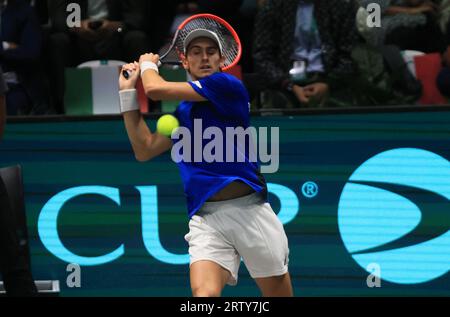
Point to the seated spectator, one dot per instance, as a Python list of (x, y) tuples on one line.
[(444, 16), (41, 9), (408, 24), (110, 30), (19, 57), (443, 80), (160, 16), (42, 12), (226, 9), (245, 24), (303, 48)]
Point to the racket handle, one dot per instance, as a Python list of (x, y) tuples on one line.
[(127, 73)]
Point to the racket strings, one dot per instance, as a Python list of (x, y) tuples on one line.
[(230, 46)]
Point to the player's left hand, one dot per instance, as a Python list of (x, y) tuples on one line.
[(154, 58), (130, 83)]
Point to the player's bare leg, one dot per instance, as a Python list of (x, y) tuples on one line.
[(208, 279), (277, 286)]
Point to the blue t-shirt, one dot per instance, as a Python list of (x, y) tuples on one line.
[(227, 106)]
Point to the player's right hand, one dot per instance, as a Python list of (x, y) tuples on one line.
[(135, 72), (150, 57)]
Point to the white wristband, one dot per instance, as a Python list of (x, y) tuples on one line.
[(148, 65), (128, 100)]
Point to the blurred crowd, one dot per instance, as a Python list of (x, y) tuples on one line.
[(296, 53)]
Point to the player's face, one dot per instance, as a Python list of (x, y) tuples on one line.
[(203, 58)]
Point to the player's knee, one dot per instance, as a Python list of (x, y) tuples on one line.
[(206, 291), (276, 286)]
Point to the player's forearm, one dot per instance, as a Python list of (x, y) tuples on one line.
[(158, 89), (139, 135), (153, 84), (137, 130)]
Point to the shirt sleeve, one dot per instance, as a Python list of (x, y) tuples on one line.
[(225, 92)]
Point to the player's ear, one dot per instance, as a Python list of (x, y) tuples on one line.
[(184, 62), (222, 62)]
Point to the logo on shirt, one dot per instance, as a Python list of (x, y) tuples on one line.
[(198, 84)]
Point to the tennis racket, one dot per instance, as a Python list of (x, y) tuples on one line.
[(231, 44)]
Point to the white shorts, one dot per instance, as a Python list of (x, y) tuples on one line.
[(247, 227)]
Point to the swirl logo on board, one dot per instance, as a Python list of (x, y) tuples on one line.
[(395, 211)]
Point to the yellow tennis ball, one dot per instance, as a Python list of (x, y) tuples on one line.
[(167, 124)]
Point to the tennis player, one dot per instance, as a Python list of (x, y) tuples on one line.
[(227, 203)]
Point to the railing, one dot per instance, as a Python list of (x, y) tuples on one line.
[(264, 112)]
